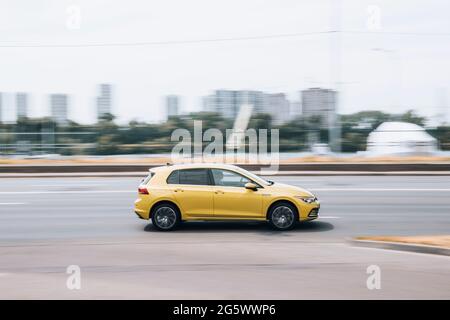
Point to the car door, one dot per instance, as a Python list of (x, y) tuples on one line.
[(193, 191), (232, 199)]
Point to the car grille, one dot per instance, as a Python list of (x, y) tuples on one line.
[(314, 213)]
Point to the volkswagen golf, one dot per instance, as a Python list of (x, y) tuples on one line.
[(172, 194)]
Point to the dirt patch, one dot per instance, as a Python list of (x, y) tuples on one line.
[(438, 241)]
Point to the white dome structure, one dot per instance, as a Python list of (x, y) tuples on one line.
[(400, 137)]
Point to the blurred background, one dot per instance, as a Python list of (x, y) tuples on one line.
[(336, 77)]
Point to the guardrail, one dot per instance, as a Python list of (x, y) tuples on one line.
[(304, 167)]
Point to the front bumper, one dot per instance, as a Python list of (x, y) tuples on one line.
[(314, 213)]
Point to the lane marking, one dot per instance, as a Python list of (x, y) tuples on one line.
[(312, 189), (378, 189), (11, 203), (68, 191), (67, 185), (328, 217)]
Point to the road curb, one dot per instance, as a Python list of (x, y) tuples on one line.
[(418, 248), (286, 168)]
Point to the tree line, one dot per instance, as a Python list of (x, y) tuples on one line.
[(107, 137)]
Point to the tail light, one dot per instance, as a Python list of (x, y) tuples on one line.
[(142, 190)]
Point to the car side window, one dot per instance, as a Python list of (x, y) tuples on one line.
[(173, 177), (228, 178), (198, 177)]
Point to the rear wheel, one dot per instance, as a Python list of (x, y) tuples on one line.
[(165, 217), (283, 216)]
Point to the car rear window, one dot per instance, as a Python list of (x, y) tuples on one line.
[(190, 176), (147, 179)]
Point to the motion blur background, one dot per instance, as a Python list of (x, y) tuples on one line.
[(103, 78)]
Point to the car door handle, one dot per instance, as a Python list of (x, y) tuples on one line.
[(219, 192), (178, 190)]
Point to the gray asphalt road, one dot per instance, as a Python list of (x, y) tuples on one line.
[(48, 224)]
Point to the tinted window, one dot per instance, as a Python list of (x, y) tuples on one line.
[(194, 176), (147, 179), (228, 178), (173, 178)]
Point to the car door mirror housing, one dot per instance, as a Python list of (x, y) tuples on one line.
[(251, 186)]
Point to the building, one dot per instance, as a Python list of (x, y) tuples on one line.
[(1, 107), (104, 100), (172, 106), (208, 103), (229, 102), (21, 105), (320, 103), (8, 107), (278, 106), (400, 138), (58, 108)]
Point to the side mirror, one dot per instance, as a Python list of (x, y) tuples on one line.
[(251, 186)]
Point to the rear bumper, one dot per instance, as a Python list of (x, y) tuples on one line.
[(141, 208), (139, 215)]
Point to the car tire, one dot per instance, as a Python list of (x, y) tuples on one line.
[(165, 217), (283, 216)]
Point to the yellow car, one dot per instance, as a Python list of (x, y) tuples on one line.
[(175, 193)]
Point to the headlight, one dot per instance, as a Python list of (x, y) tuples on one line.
[(307, 199)]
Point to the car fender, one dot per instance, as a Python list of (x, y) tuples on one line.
[(271, 201)]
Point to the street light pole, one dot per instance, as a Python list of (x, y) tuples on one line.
[(334, 129)]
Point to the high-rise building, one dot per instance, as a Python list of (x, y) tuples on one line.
[(256, 98), (22, 105), (7, 107), (58, 108), (225, 103), (209, 103), (278, 106), (104, 100), (172, 106), (321, 103), (1, 107), (228, 102)]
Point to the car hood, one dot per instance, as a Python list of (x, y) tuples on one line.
[(288, 189)]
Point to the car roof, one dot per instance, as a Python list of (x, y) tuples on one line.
[(170, 167)]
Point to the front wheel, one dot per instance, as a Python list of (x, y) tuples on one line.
[(165, 217), (283, 216)]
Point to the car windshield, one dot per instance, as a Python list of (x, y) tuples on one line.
[(256, 178)]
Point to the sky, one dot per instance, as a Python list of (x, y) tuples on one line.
[(390, 55)]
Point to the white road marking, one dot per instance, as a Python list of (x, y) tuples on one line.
[(378, 189), (67, 185), (328, 217), (10, 203), (68, 191), (312, 189)]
